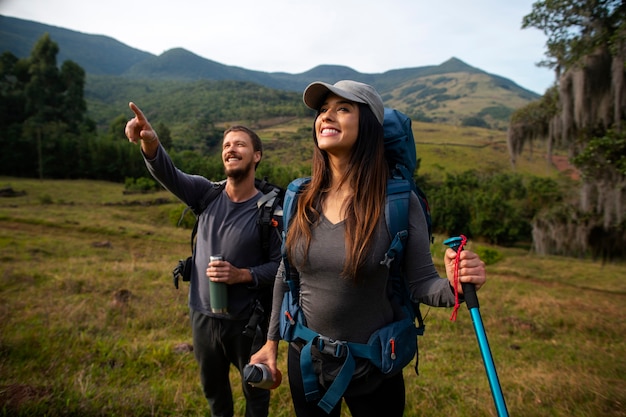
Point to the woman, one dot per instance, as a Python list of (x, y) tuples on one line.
[(336, 240)]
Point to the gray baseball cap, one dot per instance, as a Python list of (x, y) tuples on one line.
[(316, 92)]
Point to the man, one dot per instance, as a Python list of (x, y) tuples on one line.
[(228, 226)]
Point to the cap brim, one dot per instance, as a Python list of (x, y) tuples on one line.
[(315, 94)]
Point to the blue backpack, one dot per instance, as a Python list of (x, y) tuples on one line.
[(392, 347)]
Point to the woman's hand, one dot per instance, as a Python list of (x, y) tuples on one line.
[(267, 355), (471, 268)]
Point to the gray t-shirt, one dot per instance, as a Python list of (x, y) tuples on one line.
[(224, 227), (340, 309)]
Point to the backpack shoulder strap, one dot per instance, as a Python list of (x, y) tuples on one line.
[(294, 188), (267, 208), (397, 217), (209, 196), (290, 201)]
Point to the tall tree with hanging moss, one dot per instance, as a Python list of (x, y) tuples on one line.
[(582, 113)]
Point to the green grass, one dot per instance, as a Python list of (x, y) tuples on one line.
[(555, 325), (442, 149)]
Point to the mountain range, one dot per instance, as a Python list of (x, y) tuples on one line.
[(451, 92)]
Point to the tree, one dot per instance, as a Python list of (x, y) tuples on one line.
[(583, 113), (165, 135), (73, 106), (575, 28), (43, 124), (13, 78)]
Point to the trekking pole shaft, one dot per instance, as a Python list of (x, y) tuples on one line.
[(471, 299)]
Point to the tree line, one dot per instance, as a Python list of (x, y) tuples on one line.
[(44, 128)]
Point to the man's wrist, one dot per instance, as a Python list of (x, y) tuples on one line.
[(253, 278)]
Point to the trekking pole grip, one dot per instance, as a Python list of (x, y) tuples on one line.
[(469, 293), (469, 289)]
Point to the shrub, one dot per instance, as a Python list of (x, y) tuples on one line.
[(181, 217), (488, 255), (141, 184)]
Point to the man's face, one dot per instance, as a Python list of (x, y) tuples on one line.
[(238, 154)]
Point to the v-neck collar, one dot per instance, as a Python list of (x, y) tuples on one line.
[(330, 224)]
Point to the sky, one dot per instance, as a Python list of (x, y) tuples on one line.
[(294, 36)]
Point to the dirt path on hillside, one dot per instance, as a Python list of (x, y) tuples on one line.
[(563, 165)]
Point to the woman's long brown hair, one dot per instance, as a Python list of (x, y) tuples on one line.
[(367, 175)]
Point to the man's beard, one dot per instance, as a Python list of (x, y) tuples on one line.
[(239, 173)]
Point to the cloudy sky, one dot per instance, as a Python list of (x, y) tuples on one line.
[(296, 35)]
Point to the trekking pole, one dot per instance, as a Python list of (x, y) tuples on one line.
[(471, 299)]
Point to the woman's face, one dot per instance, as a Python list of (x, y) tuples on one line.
[(337, 125)]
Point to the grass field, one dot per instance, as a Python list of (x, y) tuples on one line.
[(442, 149), (91, 324)]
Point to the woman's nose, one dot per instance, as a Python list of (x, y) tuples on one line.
[(327, 115)]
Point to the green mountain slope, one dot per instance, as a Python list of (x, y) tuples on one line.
[(97, 54), (452, 92), (456, 96)]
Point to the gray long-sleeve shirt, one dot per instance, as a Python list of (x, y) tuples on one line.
[(342, 310), (224, 227)]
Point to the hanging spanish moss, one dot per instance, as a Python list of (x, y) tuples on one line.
[(531, 123), (583, 115), (562, 230), (587, 98)]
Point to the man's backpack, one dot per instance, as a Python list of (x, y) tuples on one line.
[(267, 207), (392, 347)]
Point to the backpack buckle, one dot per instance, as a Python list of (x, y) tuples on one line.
[(336, 348)]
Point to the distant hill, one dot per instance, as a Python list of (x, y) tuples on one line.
[(97, 54), (452, 92)]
